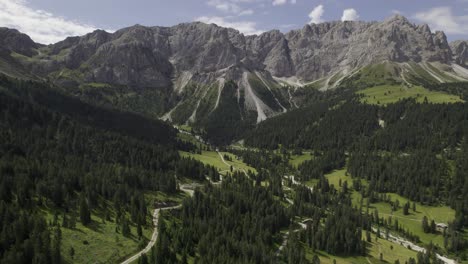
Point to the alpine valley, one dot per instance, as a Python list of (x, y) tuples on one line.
[(341, 142)]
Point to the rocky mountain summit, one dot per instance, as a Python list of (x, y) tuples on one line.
[(190, 62), (460, 52)]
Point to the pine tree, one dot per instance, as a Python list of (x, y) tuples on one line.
[(125, 228), (72, 223), (56, 253), (143, 259), (433, 226), (65, 221), (406, 209), (139, 231), (71, 252), (425, 225), (85, 214)]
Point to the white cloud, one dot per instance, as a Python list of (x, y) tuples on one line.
[(316, 14), (350, 14), (246, 27), (231, 6), (283, 2), (279, 2), (442, 18), (41, 26), (225, 6), (246, 12)]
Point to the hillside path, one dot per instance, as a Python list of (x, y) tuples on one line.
[(154, 236)]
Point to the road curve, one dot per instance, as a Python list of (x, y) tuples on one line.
[(154, 236), (414, 247), (229, 165)]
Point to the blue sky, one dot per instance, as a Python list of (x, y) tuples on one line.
[(49, 21)]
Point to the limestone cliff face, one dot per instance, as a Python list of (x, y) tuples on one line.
[(156, 56), (202, 56), (318, 50), (13, 40), (460, 52)]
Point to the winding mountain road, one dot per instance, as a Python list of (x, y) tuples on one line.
[(229, 165), (414, 247), (154, 236)]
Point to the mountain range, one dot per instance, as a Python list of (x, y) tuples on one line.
[(195, 72)]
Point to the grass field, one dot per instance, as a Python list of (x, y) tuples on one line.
[(212, 158), (386, 94), (99, 242), (296, 160), (390, 253), (185, 128), (412, 222), (337, 175), (238, 164), (207, 157), (191, 139)]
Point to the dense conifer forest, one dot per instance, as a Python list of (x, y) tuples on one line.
[(70, 158), (57, 152)]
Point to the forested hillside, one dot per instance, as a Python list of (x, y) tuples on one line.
[(69, 159)]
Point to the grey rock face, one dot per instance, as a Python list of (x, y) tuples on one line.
[(156, 56), (204, 57), (318, 50), (13, 40), (460, 52)]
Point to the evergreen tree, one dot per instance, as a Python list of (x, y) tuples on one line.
[(85, 213)]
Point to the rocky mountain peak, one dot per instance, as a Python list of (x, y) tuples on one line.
[(156, 56), (18, 42), (460, 52), (397, 18)]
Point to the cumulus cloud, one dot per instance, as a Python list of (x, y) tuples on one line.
[(231, 6), (350, 15), (246, 12), (246, 27), (316, 14), (283, 2), (442, 18), (279, 2), (41, 26), (225, 6)]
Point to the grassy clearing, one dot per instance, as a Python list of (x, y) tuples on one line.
[(238, 164), (412, 222), (152, 197), (185, 128), (386, 94), (297, 160), (336, 176), (390, 253), (191, 139), (212, 158), (207, 157), (99, 242)]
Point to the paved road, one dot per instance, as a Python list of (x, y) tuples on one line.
[(154, 237), (229, 165), (414, 247)]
